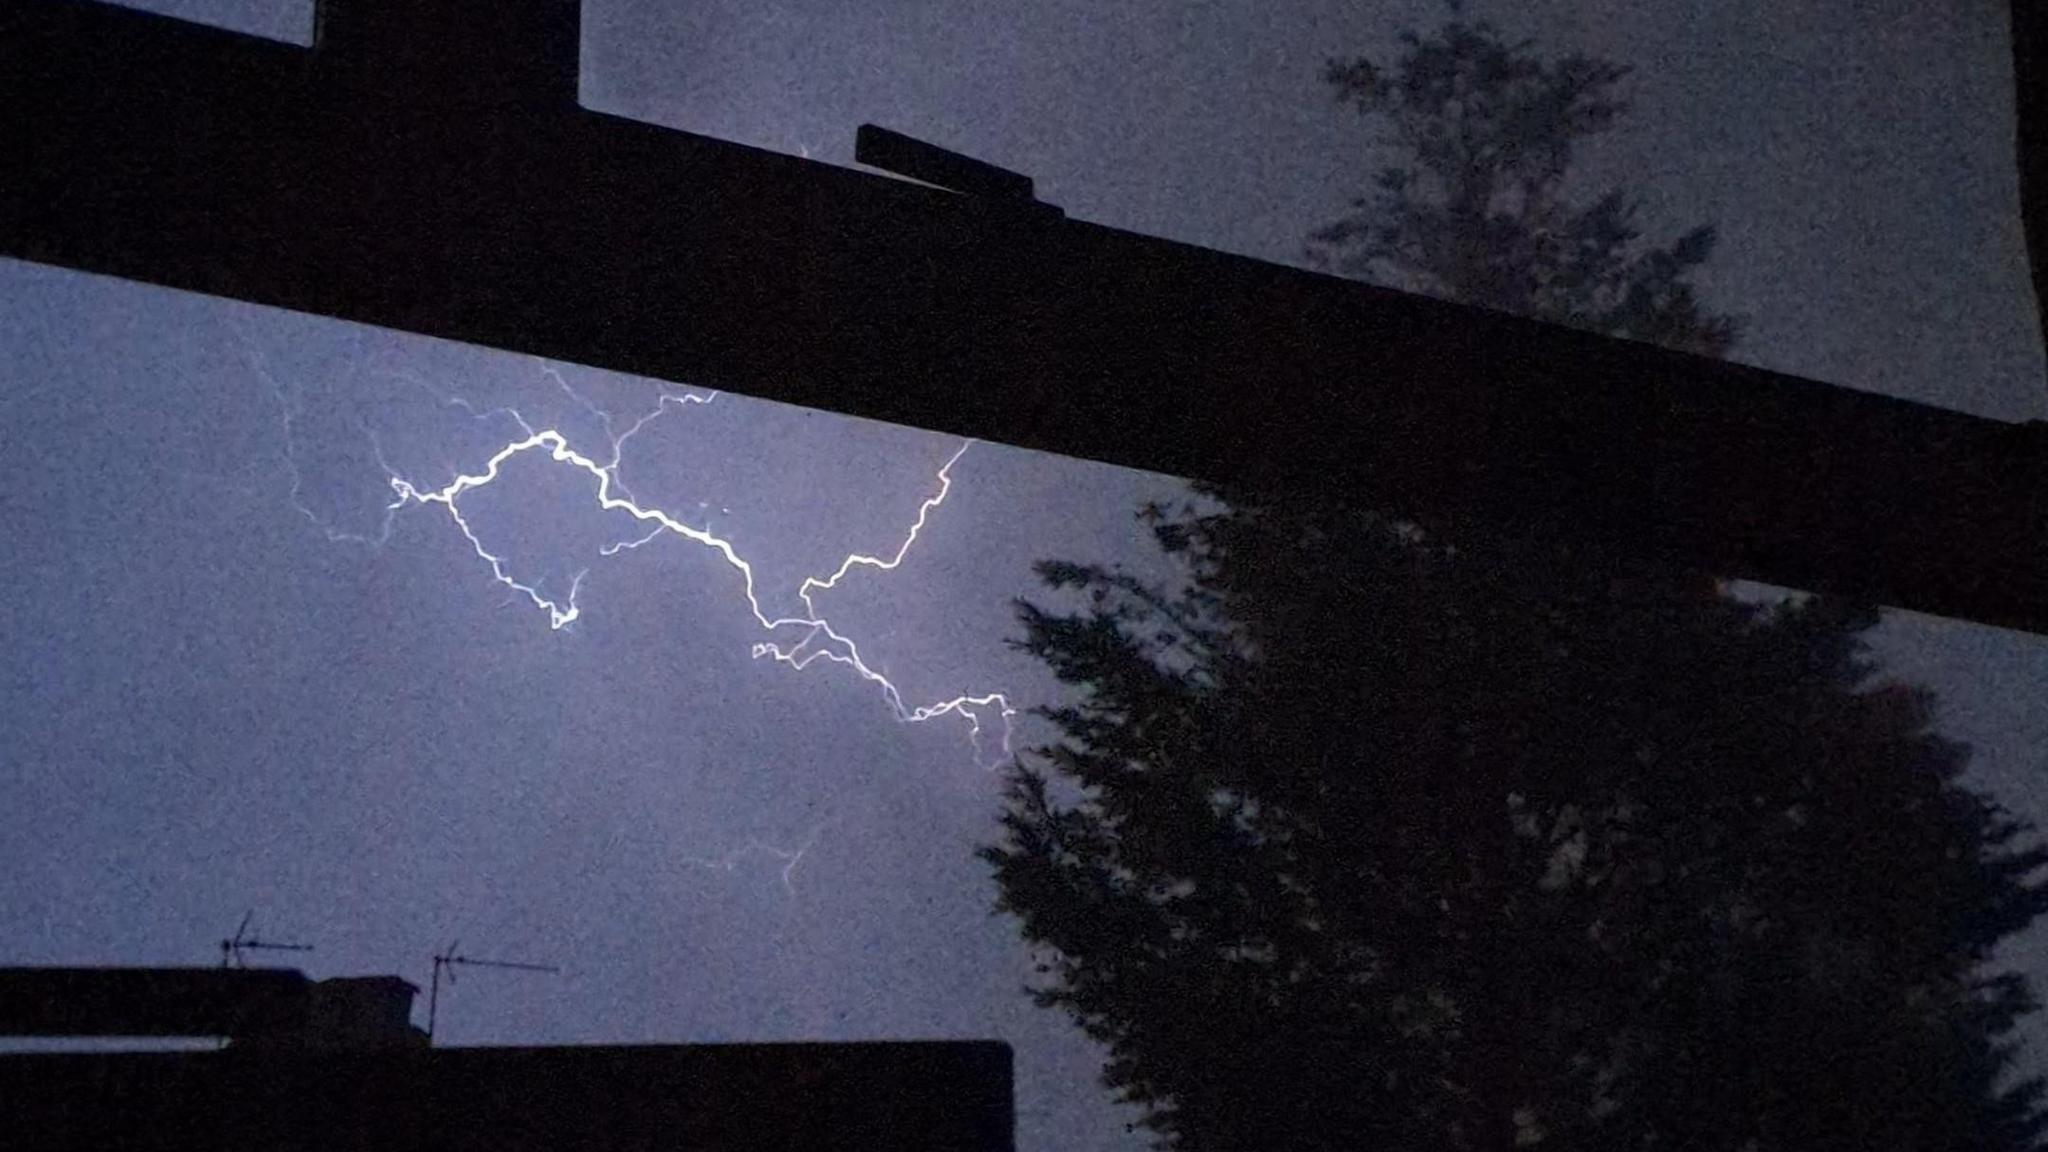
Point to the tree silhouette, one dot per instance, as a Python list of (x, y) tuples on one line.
[(1375, 834), (1478, 211)]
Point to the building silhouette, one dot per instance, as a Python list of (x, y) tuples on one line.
[(334, 1064)]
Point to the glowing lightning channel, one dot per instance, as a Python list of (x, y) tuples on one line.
[(611, 432), (789, 858), (288, 417), (969, 707), (612, 495)]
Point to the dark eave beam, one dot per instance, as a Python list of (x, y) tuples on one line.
[(376, 178)]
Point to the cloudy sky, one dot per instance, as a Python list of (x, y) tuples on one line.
[(231, 677)]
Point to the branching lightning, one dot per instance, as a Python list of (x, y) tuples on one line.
[(790, 858), (289, 412), (817, 638)]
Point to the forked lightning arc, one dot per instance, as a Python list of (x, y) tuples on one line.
[(816, 637)]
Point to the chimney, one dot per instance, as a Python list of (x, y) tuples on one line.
[(360, 1012), (516, 53)]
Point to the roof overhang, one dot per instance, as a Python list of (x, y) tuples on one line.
[(352, 181)]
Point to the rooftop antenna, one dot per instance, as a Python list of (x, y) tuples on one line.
[(450, 959), (231, 949)]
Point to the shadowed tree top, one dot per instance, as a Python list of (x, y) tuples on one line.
[(1479, 209), (1367, 836)]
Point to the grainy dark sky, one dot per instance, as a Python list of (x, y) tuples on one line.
[(208, 705)]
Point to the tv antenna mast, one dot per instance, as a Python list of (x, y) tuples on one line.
[(450, 959), (231, 949)]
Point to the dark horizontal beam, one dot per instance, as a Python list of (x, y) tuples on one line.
[(356, 181), (878, 147)]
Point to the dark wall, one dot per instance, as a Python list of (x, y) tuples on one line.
[(799, 1097)]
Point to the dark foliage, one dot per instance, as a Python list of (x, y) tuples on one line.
[(1478, 212), (1377, 837)]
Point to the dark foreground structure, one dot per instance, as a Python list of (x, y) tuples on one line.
[(337, 1065), (426, 166)]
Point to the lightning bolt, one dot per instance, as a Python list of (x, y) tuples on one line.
[(800, 655), (819, 641), (290, 408), (790, 858)]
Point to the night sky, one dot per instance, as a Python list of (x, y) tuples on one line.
[(209, 703)]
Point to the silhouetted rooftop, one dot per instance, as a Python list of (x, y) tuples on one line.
[(905, 1097), (336, 1064), (260, 1005)]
